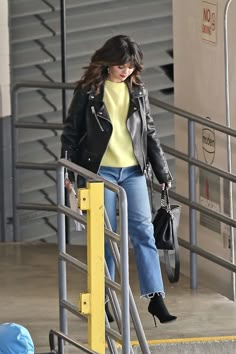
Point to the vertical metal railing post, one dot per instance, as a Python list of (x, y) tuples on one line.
[(124, 255), (15, 221), (64, 97), (63, 56), (228, 124), (192, 212), (61, 249)]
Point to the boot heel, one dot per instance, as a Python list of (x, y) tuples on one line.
[(155, 322)]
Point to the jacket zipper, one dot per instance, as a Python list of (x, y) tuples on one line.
[(144, 159), (83, 137), (95, 115), (145, 167)]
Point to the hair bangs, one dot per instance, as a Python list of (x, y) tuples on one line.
[(134, 60)]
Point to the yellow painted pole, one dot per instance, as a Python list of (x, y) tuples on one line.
[(92, 303)]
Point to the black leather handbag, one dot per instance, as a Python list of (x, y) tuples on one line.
[(166, 222)]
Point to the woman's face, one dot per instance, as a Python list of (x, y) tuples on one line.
[(119, 73)]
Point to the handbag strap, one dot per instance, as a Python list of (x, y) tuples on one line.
[(173, 274), (165, 200)]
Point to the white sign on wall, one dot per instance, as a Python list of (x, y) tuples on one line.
[(209, 21)]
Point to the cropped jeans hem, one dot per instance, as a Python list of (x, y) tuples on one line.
[(151, 295)]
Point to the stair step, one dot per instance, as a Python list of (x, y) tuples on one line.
[(217, 345), (157, 82), (29, 135), (40, 229), (32, 180), (32, 102), (48, 117), (164, 124), (43, 155), (45, 228), (42, 150), (26, 135), (23, 8), (115, 15), (42, 196)]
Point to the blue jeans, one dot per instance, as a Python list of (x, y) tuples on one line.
[(139, 223)]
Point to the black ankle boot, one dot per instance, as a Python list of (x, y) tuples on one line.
[(158, 308), (108, 313)]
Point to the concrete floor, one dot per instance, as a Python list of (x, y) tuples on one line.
[(29, 296)]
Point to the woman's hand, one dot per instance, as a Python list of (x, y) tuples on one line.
[(166, 185), (68, 185)]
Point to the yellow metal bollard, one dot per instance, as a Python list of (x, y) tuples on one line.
[(91, 199)]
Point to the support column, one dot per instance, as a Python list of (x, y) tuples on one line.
[(91, 199), (6, 230)]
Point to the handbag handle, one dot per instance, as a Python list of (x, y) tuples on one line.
[(165, 200)]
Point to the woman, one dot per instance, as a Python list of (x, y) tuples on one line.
[(109, 131)]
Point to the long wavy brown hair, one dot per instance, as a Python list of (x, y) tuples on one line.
[(118, 50)]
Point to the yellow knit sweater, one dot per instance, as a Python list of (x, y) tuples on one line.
[(119, 152)]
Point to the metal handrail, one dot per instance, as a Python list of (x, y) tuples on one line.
[(193, 205), (228, 124), (15, 164), (123, 254), (43, 84), (61, 335), (198, 163), (193, 117)]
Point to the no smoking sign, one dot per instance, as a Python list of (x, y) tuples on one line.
[(209, 21)]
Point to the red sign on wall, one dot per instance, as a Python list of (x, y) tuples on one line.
[(209, 21)]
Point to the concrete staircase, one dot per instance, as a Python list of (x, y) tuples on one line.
[(36, 55)]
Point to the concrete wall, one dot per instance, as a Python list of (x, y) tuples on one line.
[(200, 89)]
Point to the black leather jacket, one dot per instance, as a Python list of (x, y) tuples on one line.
[(88, 128)]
